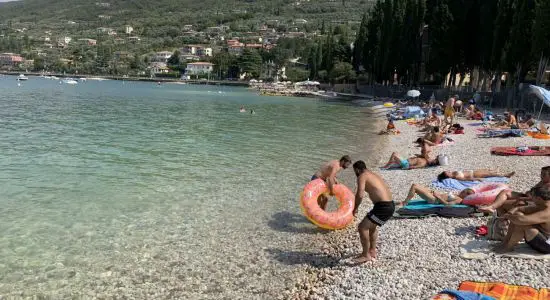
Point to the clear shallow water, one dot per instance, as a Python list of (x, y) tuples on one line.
[(112, 188)]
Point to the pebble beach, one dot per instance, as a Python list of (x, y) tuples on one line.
[(420, 257)]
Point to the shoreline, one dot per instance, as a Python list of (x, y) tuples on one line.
[(420, 257)]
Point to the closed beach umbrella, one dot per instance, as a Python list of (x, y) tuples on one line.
[(413, 93)]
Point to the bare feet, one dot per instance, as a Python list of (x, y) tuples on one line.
[(361, 259), (373, 253), (510, 174), (486, 209)]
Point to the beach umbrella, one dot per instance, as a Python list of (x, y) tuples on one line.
[(541, 93), (413, 93)]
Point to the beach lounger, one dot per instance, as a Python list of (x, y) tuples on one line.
[(532, 151)]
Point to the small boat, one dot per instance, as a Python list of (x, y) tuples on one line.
[(70, 81), (82, 79), (22, 77)]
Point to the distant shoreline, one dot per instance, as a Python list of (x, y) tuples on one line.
[(144, 79)]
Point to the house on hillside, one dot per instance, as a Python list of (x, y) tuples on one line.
[(134, 39), (63, 41), (158, 68), (161, 56), (10, 59), (300, 21), (89, 42), (128, 29), (187, 27), (198, 50), (199, 68)]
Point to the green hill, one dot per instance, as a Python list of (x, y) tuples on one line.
[(167, 17)]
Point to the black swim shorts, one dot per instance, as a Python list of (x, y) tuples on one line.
[(540, 243), (381, 212)]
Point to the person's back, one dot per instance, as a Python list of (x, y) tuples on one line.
[(328, 168), (376, 187)]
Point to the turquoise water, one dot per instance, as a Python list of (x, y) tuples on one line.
[(125, 188)]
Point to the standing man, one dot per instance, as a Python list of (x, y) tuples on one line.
[(449, 112), (383, 209), (328, 173)]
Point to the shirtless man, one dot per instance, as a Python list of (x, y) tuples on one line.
[(531, 223), (383, 209), (508, 199), (416, 162), (328, 173)]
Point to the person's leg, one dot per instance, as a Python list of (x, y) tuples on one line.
[(513, 237), (501, 198), (536, 240), (364, 229), (373, 234), (422, 191), (393, 162), (484, 173)]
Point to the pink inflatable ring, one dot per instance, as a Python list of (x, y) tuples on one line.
[(329, 220)]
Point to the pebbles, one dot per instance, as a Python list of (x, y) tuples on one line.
[(420, 257)]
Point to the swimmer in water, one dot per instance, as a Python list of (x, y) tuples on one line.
[(242, 109), (252, 112)]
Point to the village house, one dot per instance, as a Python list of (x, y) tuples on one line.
[(161, 56), (187, 27), (158, 68), (10, 60), (128, 29), (89, 42), (63, 41), (198, 50), (134, 39), (199, 68)]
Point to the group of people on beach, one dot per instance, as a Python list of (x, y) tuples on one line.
[(528, 212)]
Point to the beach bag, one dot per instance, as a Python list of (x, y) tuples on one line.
[(497, 228), (443, 160)]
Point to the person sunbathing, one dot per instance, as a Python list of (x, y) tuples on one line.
[(416, 162), (472, 175), (390, 129), (508, 199), (531, 223), (434, 197), (434, 137), (527, 123)]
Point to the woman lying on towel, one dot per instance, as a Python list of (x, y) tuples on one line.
[(434, 197), (472, 175)]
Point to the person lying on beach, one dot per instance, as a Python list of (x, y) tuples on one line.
[(434, 137), (508, 199), (527, 123), (456, 129), (472, 175), (529, 223), (328, 173), (384, 207), (434, 197), (416, 162)]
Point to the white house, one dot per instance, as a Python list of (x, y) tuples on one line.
[(197, 50), (128, 29), (161, 56), (64, 41), (158, 68), (199, 68)]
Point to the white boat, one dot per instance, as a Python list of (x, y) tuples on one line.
[(82, 79), (97, 78), (22, 77), (54, 78), (70, 81)]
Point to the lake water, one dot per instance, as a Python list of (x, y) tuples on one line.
[(131, 189)]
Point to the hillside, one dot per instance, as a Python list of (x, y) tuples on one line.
[(167, 17)]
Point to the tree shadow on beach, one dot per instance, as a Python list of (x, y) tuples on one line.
[(316, 260), (293, 223)]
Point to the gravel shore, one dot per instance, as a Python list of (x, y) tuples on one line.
[(420, 257)]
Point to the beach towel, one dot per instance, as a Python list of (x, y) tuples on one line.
[(502, 133), (453, 184), (461, 295), (532, 151), (421, 208), (481, 249), (503, 291)]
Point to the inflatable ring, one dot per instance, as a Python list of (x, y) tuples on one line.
[(329, 220), (538, 135), (388, 104), (484, 194)]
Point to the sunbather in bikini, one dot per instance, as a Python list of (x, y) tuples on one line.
[(434, 197), (472, 175)]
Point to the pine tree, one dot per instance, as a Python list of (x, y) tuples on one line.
[(541, 37), (359, 44)]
